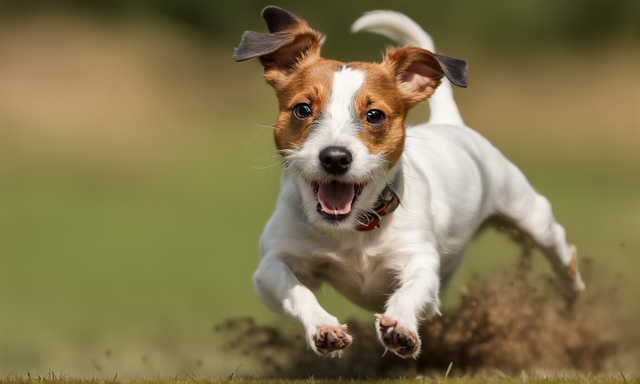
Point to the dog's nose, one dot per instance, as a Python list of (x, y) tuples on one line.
[(335, 160)]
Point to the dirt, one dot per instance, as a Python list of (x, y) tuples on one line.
[(508, 323)]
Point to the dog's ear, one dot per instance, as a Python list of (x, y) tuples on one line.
[(290, 41), (418, 71)]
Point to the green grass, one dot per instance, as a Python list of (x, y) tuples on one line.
[(498, 377)]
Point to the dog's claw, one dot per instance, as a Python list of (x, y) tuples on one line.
[(331, 339)]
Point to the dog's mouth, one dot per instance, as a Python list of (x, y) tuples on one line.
[(335, 199)]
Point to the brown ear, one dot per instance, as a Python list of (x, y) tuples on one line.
[(289, 41), (418, 71)]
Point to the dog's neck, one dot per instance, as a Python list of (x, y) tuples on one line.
[(386, 203)]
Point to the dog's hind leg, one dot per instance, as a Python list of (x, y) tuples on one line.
[(531, 213), (281, 291)]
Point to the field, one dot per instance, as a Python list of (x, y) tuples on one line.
[(137, 172), (498, 378)]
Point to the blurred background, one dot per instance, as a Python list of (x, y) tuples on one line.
[(136, 173)]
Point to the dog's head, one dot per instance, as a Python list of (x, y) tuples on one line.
[(340, 128)]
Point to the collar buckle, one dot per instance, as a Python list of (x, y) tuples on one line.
[(389, 201)]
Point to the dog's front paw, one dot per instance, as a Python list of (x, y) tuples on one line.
[(331, 339), (396, 338)]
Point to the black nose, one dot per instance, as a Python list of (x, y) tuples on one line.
[(335, 160)]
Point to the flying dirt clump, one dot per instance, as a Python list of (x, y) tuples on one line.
[(505, 323)]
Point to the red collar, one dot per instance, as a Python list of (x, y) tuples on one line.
[(388, 202)]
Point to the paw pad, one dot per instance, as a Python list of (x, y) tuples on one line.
[(331, 338), (397, 338)]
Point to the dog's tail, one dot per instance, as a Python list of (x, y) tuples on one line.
[(402, 29)]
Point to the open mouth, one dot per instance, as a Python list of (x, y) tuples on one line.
[(335, 199)]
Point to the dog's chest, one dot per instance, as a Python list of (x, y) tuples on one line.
[(364, 276)]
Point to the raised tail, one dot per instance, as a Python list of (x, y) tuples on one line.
[(402, 29)]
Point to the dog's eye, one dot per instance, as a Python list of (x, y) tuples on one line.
[(302, 111), (375, 117)]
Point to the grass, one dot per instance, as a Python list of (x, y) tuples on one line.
[(190, 377), (499, 377)]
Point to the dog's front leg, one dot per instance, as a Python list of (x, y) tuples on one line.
[(281, 291), (416, 297)]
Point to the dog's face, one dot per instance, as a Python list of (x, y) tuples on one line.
[(339, 133), (340, 129)]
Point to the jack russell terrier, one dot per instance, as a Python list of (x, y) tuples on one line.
[(380, 211)]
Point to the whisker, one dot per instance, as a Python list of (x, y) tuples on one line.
[(416, 137), (246, 147), (266, 158), (361, 223)]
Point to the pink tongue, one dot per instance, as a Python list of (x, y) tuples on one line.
[(335, 198)]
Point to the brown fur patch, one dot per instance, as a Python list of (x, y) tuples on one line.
[(380, 91), (310, 84), (299, 75), (305, 49)]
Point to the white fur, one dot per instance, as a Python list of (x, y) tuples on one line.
[(449, 180)]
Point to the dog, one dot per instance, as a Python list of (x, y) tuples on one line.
[(380, 211)]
